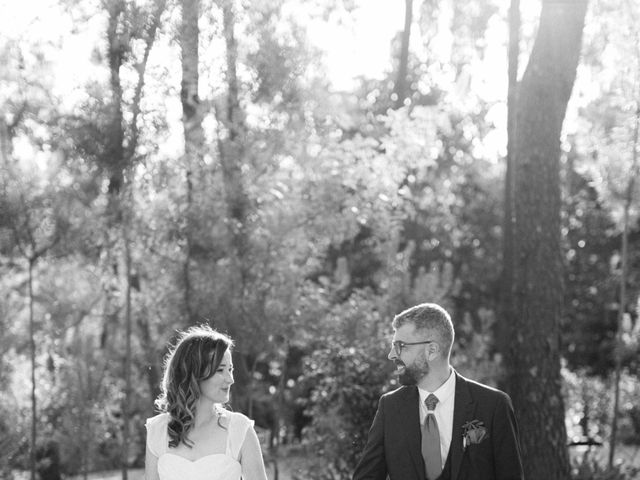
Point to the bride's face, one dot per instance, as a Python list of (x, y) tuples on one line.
[(216, 388)]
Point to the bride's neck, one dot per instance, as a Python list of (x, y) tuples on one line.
[(205, 413)]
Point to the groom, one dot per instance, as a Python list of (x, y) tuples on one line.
[(438, 425)]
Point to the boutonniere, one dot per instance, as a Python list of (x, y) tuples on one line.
[(473, 432)]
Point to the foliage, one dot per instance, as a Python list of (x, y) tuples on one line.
[(354, 212), (347, 381), (589, 406), (590, 469), (590, 277)]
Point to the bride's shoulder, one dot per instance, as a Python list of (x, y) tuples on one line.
[(235, 418), (157, 420)]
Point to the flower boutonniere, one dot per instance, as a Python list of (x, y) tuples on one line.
[(473, 432)]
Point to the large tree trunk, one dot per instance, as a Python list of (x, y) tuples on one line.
[(401, 89), (194, 140), (535, 265)]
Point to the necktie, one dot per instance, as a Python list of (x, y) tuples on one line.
[(431, 440)]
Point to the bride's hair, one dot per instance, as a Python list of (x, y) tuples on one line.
[(195, 357)]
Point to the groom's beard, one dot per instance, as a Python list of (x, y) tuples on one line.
[(412, 373)]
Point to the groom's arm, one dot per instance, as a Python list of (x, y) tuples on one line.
[(372, 464), (506, 443)]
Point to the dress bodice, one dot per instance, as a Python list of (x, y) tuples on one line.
[(218, 466)]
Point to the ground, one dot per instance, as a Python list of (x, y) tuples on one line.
[(292, 464)]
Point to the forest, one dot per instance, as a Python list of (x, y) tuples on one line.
[(167, 163)]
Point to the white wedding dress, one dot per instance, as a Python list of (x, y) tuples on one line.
[(218, 466)]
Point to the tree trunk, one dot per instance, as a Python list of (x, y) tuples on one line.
[(117, 50), (5, 143), (32, 351), (508, 225), (126, 410), (194, 140), (533, 356), (121, 151), (153, 359), (401, 89), (231, 149), (118, 46)]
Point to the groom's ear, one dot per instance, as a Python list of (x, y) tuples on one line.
[(432, 350)]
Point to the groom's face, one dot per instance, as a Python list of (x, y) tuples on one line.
[(411, 360)]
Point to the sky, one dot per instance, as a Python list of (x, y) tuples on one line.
[(355, 44), (360, 46)]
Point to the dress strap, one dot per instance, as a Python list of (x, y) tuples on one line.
[(157, 435), (237, 431), (228, 450)]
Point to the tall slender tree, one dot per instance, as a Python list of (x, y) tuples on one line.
[(401, 88), (231, 148), (194, 140), (534, 264), (122, 144), (507, 245), (36, 229)]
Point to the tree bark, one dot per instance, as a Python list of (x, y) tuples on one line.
[(117, 49), (122, 145), (126, 410), (231, 148), (508, 221), (5, 142), (533, 356), (194, 140), (401, 89), (32, 351)]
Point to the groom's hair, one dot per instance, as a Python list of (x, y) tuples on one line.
[(429, 316)]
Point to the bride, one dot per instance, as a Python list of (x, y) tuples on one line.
[(194, 437)]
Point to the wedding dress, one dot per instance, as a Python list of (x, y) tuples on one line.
[(217, 466)]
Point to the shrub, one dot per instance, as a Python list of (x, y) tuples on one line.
[(591, 469)]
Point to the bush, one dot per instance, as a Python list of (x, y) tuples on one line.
[(348, 383), (591, 469)]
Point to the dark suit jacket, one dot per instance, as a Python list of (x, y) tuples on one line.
[(393, 445)]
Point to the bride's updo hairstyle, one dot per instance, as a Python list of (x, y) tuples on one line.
[(195, 357)]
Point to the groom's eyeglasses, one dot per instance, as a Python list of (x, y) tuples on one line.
[(398, 345)]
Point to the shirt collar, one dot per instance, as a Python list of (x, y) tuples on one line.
[(444, 392)]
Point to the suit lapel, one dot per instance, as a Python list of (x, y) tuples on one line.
[(409, 425), (462, 412)]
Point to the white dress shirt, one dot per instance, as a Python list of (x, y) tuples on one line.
[(443, 412)]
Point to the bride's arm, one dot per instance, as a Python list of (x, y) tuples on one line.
[(251, 458), (150, 466)]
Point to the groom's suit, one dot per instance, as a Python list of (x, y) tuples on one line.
[(393, 445)]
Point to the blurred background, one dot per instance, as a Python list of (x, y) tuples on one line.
[(294, 173)]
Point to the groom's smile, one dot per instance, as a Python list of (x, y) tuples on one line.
[(400, 367)]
